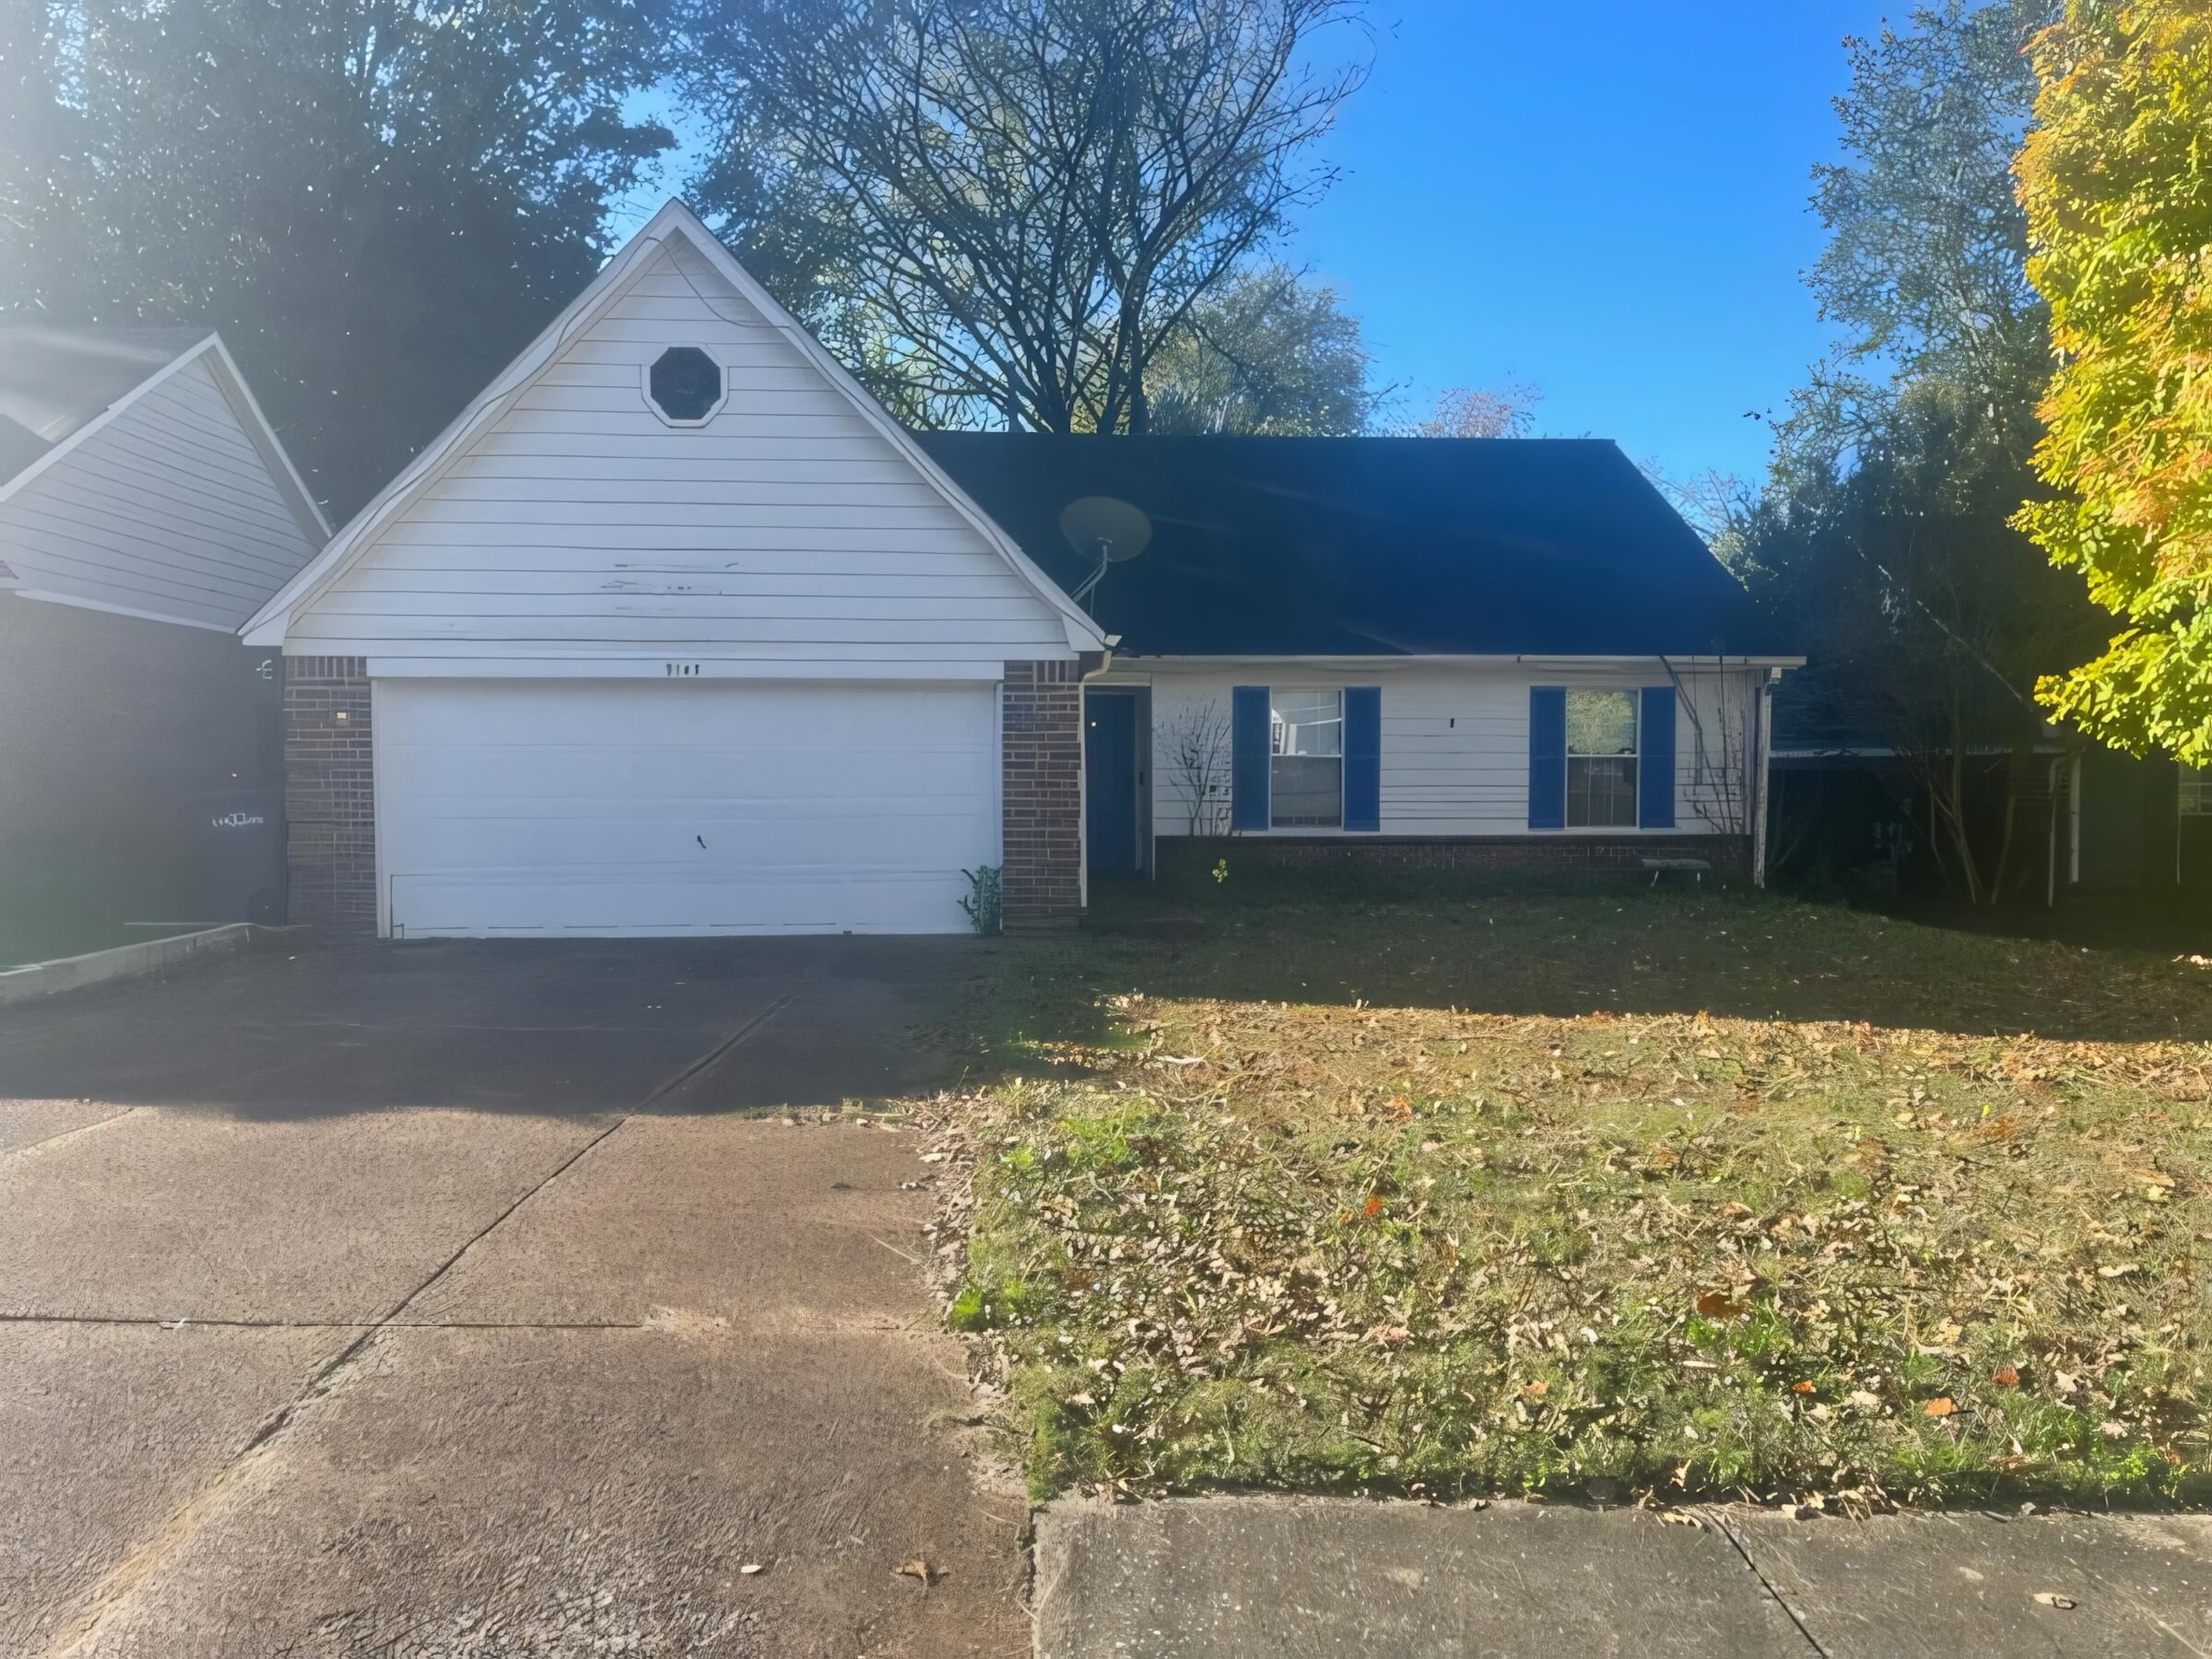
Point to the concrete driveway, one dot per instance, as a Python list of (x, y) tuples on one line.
[(457, 1299)]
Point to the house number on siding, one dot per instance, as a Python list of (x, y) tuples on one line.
[(679, 670)]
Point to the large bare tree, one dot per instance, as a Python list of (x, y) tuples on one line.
[(1002, 210)]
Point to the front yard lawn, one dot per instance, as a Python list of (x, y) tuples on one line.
[(1682, 1192)]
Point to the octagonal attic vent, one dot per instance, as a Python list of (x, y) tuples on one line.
[(684, 385)]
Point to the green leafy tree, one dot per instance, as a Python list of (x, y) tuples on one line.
[(1266, 354), (377, 202), (1004, 211), (1924, 272), (1921, 609), (2117, 182), (1883, 535)]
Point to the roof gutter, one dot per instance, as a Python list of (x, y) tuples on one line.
[(1213, 659)]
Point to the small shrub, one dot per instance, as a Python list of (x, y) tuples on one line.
[(985, 903)]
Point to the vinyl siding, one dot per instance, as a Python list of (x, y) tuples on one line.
[(168, 509), (784, 532), (1455, 740)]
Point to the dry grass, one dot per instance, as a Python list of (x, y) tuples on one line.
[(1515, 1193)]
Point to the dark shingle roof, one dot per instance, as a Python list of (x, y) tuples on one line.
[(54, 381), (1368, 547)]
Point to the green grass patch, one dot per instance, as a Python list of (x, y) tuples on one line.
[(1499, 1192)]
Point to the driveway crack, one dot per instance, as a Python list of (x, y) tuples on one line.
[(1729, 1533), (179, 1528), (62, 1135)]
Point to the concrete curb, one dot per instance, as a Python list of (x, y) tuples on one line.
[(1283, 1578), (36, 980)]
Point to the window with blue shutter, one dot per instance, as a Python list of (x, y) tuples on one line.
[(1363, 757), (1655, 759), (1547, 757), (1249, 742)]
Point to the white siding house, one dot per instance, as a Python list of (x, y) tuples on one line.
[(673, 631), (146, 510), (1455, 755), (175, 503), (574, 528)]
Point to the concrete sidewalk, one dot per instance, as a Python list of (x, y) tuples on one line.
[(1287, 1578)]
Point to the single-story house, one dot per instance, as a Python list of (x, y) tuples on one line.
[(676, 631), (146, 510)]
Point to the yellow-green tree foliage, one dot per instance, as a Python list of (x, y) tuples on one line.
[(2117, 181)]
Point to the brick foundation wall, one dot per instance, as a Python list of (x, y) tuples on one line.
[(1042, 751), (330, 793), (1548, 856)]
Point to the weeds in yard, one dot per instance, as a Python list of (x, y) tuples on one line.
[(1434, 1247)]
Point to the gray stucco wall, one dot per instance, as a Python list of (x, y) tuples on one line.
[(141, 778)]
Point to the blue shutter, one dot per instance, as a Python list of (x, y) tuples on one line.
[(1547, 757), (1363, 757), (1251, 736), (1656, 767)]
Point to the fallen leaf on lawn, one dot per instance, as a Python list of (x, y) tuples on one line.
[(1373, 1206), (2121, 1271), (1536, 1391), (1803, 1388), (2005, 1377), (2157, 1195), (1941, 1405), (920, 1569), (2051, 1598), (751, 1568), (1718, 1304)]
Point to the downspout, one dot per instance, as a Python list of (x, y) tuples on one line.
[(2051, 856), (2074, 824), (1089, 667), (1763, 752)]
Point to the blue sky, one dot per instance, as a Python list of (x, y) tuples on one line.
[(1608, 201)]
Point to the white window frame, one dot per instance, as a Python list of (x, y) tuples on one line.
[(722, 371), (1276, 751), (1634, 756)]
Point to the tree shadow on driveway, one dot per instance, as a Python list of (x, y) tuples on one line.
[(537, 1027)]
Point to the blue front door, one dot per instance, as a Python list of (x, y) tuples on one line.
[(1110, 780)]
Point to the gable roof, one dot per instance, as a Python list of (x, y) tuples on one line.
[(674, 222), (1372, 547), (60, 386), (54, 381)]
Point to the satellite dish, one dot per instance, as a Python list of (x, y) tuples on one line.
[(1108, 530)]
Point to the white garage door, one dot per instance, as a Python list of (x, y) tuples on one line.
[(617, 807)]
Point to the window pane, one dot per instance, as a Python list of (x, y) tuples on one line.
[(1601, 722), (1601, 791), (1308, 723), (2197, 792), (1306, 790)]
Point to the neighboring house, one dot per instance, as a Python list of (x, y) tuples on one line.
[(2087, 821), (145, 511), (675, 631)]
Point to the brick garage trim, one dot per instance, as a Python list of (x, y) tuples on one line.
[(1544, 856), (1041, 723), (330, 793)]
